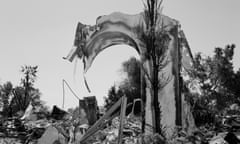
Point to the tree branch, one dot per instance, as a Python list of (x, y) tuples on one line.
[(145, 72)]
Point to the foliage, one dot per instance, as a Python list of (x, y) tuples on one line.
[(26, 93), (113, 96), (5, 92), (216, 77), (218, 82), (130, 86), (20, 102), (16, 99), (30, 75)]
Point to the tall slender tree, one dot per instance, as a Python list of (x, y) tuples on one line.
[(217, 77), (29, 73), (156, 43), (26, 93)]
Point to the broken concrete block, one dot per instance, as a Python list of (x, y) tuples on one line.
[(52, 136)]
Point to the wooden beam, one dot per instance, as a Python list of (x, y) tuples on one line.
[(101, 121), (122, 118)]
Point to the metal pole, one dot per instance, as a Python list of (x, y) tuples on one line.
[(63, 94)]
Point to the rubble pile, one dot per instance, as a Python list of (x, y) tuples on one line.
[(64, 128), (28, 129), (109, 135), (225, 130), (12, 128)]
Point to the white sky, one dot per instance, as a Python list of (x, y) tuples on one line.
[(41, 32)]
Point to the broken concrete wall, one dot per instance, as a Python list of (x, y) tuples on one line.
[(52, 136), (92, 109), (119, 28), (89, 109)]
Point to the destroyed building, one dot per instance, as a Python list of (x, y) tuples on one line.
[(119, 28)]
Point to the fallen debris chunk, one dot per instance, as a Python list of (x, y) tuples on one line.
[(52, 136), (231, 138), (57, 113)]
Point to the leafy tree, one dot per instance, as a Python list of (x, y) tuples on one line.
[(215, 74), (113, 96), (16, 99), (30, 76), (218, 82), (20, 102), (26, 93), (5, 92), (130, 86)]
